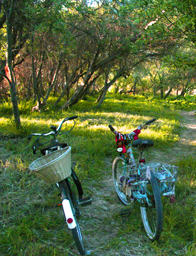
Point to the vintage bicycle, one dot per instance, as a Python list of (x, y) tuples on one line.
[(141, 182), (55, 168)]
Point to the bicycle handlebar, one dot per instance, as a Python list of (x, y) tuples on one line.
[(111, 128), (54, 129), (150, 121), (140, 126), (54, 132), (64, 120)]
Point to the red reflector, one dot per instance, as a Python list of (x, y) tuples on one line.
[(69, 221)]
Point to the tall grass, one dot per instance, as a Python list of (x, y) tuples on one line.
[(30, 225)]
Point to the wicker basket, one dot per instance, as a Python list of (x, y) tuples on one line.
[(53, 167)]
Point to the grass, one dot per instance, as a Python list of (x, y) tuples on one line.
[(30, 225)]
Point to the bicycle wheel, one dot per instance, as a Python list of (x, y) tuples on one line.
[(118, 172), (151, 210), (67, 193)]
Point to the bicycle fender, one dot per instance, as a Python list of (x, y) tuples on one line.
[(68, 214)]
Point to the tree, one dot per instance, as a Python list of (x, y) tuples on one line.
[(18, 17), (72, 44), (112, 37), (9, 11)]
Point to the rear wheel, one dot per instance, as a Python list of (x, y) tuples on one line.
[(66, 193), (118, 171), (151, 210)]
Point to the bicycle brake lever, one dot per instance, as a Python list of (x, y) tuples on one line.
[(53, 127)]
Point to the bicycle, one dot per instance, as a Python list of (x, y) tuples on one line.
[(141, 182), (55, 167)]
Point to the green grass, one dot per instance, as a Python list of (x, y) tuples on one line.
[(29, 223)]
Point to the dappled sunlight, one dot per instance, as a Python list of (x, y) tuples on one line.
[(32, 120), (188, 142), (123, 115), (193, 183), (193, 143)]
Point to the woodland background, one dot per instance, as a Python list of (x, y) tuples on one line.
[(71, 49)]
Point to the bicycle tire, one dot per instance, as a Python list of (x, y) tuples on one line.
[(67, 193), (117, 173), (151, 212)]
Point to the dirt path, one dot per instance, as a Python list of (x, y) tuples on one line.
[(185, 146), (101, 228), (188, 137)]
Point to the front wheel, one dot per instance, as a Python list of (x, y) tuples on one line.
[(151, 209), (119, 178), (67, 194)]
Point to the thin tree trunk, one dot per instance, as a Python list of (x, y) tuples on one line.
[(36, 78), (108, 85), (168, 93), (100, 96), (10, 74), (33, 70), (161, 91), (103, 94), (82, 90), (52, 83)]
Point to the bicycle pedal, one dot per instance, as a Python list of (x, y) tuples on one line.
[(85, 201)]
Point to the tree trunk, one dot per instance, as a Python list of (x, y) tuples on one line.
[(74, 99), (183, 92), (108, 85), (88, 81), (63, 93), (70, 81), (168, 93), (154, 90), (102, 96), (104, 91), (52, 83), (37, 82), (161, 91), (35, 89), (10, 73), (133, 88)]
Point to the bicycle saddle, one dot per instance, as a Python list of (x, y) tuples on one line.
[(142, 144)]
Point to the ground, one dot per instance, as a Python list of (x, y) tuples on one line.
[(188, 137), (108, 227)]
